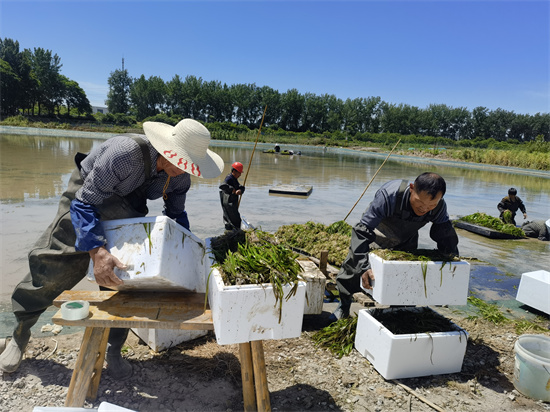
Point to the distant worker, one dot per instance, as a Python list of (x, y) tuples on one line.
[(230, 190), (512, 202), (392, 221), (536, 228), (277, 148)]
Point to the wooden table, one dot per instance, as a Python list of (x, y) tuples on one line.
[(154, 310)]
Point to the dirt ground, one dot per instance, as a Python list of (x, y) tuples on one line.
[(203, 376)]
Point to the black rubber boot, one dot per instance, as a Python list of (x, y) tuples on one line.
[(343, 309), (118, 367)]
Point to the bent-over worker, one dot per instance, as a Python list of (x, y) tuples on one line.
[(114, 181), (512, 202), (392, 221)]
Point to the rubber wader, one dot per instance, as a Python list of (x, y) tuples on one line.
[(56, 266)]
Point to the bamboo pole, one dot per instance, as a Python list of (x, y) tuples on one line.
[(247, 374), (389, 154), (260, 377), (252, 155)]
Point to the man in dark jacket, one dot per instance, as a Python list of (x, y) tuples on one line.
[(114, 181), (230, 190), (512, 202), (399, 209), (536, 228)]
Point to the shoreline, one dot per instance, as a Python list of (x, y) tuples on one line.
[(35, 131)]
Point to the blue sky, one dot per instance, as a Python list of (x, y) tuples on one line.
[(459, 53)]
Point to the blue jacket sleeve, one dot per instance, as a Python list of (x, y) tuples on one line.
[(89, 232)]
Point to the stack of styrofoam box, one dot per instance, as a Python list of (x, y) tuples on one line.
[(534, 290), (413, 283), (315, 287), (160, 255), (243, 313)]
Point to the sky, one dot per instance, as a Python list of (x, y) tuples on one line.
[(466, 53)]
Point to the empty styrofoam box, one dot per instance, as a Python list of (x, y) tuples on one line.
[(243, 313), (409, 355), (534, 290), (315, 287), (403, 282), (162, 339), (159, 254)]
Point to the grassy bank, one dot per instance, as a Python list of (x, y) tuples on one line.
[(530, 155)]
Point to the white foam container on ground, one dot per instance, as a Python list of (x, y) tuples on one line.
[(162, 339), (403, 283), (246, 313), (160, 254), (409, 355), (532, 366), (534, 290)]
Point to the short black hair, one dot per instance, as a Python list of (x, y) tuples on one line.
[(512, 191), (431, 183)]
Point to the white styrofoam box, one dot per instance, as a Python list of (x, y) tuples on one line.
[(403, 282), (534, 290), (315, 287), (244, 313), (160, 255), (162, 339), (409, 355)]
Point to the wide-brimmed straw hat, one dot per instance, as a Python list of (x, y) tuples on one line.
[(185, 146)]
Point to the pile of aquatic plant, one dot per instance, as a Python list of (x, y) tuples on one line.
[(482, 219), (257, 259), (313, 238), (492, 313), (338, 337), (422, 255), (421, 320)]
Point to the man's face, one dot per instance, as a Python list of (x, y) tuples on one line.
[(423, 202), (512, 197), (236, 173), (172, 170)]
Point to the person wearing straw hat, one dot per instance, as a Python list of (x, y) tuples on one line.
[(392, 221), (230, 190), (113, 181)]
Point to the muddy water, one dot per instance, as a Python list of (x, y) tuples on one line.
[(35, 170)]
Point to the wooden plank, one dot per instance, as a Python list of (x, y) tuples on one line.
[(146, 318), (85, 364), (98, 367), (133, 299)]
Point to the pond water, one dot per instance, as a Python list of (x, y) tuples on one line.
[(34, 171)]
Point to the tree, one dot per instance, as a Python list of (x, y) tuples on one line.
[(46, 68), (118, 98), (75, 97), (148, 96)]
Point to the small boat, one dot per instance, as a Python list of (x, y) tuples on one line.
[(483, 231), (291, 190), (283, 152)]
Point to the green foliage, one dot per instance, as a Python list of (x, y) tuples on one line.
[(257, 260), (338, 337), (482, 219), (313, 238)]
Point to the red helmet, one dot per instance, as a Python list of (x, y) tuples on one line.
[(237, 166)]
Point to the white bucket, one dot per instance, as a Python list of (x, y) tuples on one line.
[(532, 369)]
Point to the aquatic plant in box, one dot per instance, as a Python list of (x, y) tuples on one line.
[(254, 288), (425, 277)]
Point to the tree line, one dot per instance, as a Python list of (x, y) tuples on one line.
[(31, 82)]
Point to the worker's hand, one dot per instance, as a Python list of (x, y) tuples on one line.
[(525, 215), (238, 192), (104, 263), (367, 278)]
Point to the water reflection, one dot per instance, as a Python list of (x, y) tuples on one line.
[(34, 172)]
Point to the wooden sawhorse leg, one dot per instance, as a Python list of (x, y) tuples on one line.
[(88, 367), (254, 377)]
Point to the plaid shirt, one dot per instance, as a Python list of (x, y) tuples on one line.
[(116, 167)]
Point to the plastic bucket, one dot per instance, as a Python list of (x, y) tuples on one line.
[(532, 368)]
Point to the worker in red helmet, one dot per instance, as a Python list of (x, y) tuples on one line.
[(230, 190)]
